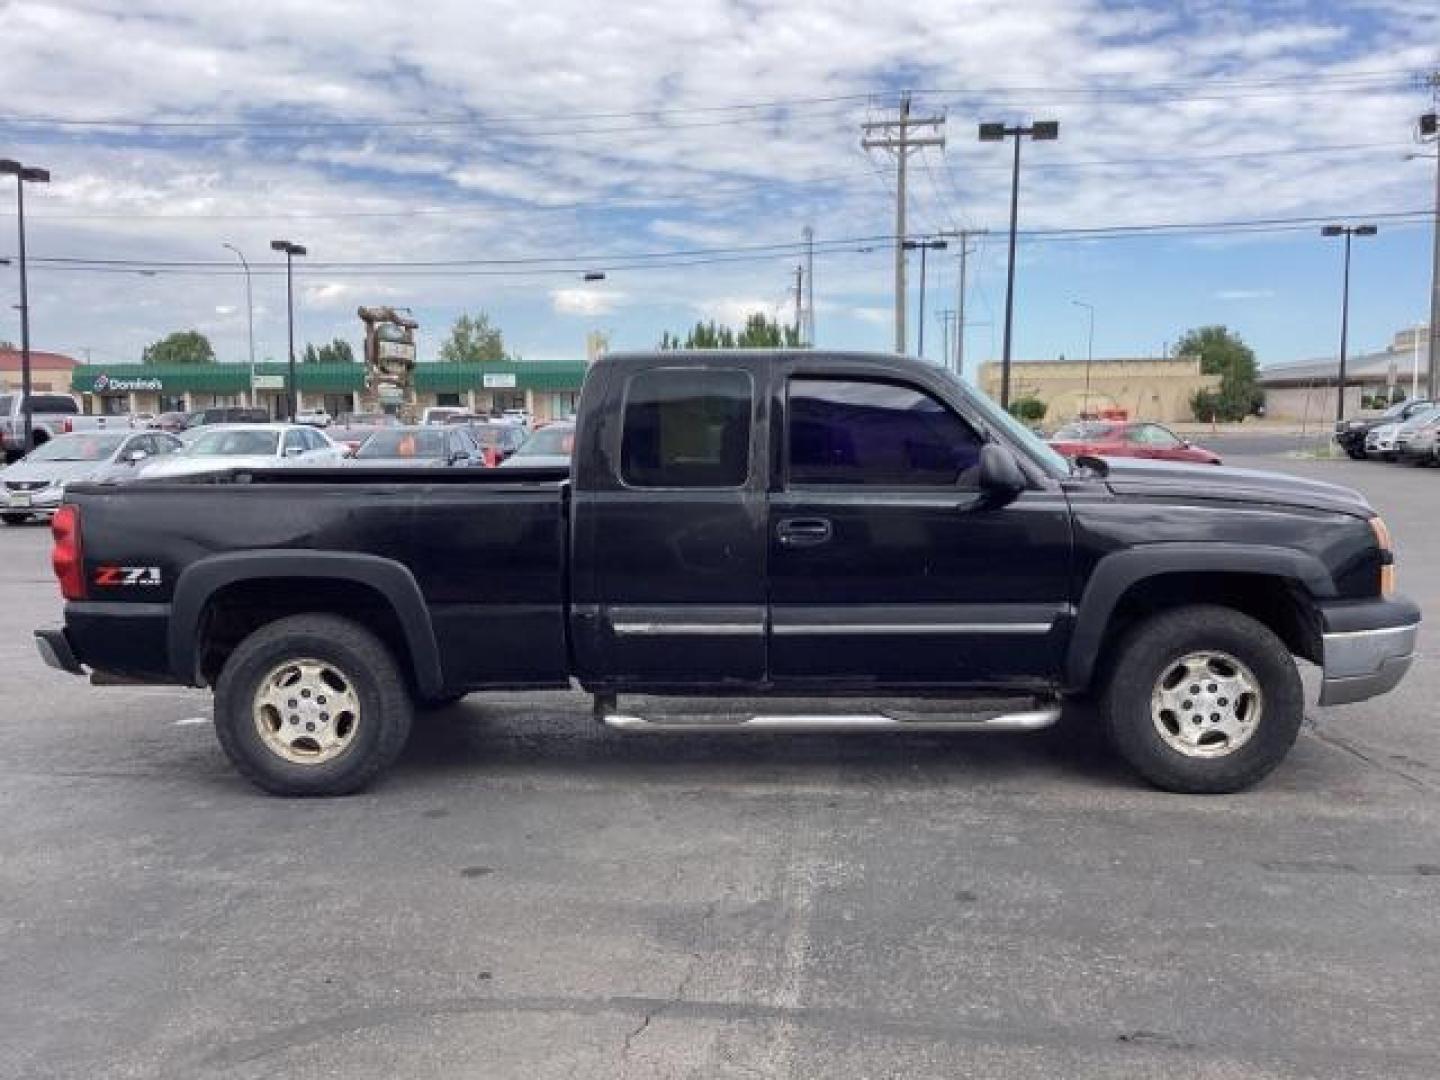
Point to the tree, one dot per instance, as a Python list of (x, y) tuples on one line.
[(1222, 353), (472, 339), (1028, 409), (759, 332), (181, 347), (336, 352)]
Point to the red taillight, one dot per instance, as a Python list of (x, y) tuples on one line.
[(491, 458), (66, 558), (68, 426)]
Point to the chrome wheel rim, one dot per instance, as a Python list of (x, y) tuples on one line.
[(1206, 704), (306, 711)]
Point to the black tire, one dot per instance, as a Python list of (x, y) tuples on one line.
[(1356, 452), (384, 714), (14, 519), (1152, 647)]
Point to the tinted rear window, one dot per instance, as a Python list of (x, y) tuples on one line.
[(687, 427), (53, 403)]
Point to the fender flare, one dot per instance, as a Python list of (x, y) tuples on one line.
[(1117, 572), (200, 581)]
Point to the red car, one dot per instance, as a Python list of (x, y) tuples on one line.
[(1130, 438)]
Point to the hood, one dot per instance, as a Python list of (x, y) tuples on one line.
[(397, 462), (1221, 483), (53, 471), (180, 465)]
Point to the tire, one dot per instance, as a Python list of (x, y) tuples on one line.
[(14, 519), (1356, 452), (312, 656), (1252, 734)]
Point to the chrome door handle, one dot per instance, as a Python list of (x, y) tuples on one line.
[(803, 532)]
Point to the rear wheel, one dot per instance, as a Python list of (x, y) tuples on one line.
[(311, 705), (1203, 700)]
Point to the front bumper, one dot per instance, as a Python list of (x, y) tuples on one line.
[(1367, 647), (45, 501)]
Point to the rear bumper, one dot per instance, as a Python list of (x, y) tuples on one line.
[(55, 650), (1367, 647)]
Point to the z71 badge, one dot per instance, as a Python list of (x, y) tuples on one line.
[(127, 575)]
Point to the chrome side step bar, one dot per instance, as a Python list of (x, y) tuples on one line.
[(840, 724)]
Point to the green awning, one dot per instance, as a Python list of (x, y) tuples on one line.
[(430, 377)]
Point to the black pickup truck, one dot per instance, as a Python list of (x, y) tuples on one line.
[(861, 542)]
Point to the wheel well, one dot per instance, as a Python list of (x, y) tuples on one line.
[(237, 610), (1279, 603)]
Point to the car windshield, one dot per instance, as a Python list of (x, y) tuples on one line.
[(235, 444), (549, 442), (1037, 448), (77, 448), (404, 444), (1082, 431)]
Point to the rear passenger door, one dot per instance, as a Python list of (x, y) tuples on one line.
[(670, 529), (888, 567)]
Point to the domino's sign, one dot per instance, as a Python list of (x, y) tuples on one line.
[(104, 384)]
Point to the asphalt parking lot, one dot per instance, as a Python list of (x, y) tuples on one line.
[(530, 896)]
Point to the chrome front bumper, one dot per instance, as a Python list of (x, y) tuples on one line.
[(1370, 661)]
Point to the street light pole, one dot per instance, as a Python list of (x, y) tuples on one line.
[(290, 250), (24, 175), (1347, 231), (1089, 352), (1430, 132), (250, 317), (1040, 131), (923, 246)]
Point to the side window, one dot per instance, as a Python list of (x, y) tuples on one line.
[(877, 434), (687, 427), (294, 440)]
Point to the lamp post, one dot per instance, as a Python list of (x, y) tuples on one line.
[(923, 246), (24, 174), (1347, 231), (290, 250), (1040, 131), (1089, 353), (249, 317)]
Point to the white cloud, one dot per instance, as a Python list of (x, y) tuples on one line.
[(734, 310), (225, 309), (1244, 294), (578, 301)]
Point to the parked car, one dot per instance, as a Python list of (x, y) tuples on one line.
[(352, 429), (434, 446), (437, 414), (226, 414), (548, 448), (1423, 446), (1352, 434), (516, 416), (50, 415), (173, 422), (1131, 438), (747, 523), (247, 446), (314, 417), (497, 441), (1380, 441), (1406, 432), (34, 485)]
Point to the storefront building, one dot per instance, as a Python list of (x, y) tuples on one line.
[(548, 390)]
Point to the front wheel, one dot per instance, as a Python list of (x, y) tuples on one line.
[(1203, 700), (311, 705), (1356, 452)]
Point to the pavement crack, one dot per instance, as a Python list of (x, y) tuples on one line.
[(1369, 758), (677, 995)]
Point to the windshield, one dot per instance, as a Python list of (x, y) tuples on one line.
[(404, 444), (1030, 443), (77, 448), (234, 444), (550, 441)]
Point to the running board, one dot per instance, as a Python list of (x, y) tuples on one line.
[(839, 724)]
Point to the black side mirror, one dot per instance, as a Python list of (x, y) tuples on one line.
[(1000, 474)]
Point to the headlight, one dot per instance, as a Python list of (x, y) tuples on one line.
[(1387, 554)]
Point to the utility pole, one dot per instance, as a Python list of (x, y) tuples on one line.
[(808, 339), (1430, 132), (965, 252), (895, 136), (946, 317), (800, 302)]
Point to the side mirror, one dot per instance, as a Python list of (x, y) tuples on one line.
[(1185, 443), (1000, 474)]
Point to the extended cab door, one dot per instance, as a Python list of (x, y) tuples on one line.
[(669, 524), (888, 566)]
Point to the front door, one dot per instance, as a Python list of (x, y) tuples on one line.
[(888, 566)]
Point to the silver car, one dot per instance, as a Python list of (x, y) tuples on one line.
[(35, 485), (248, 446), (548, 448)]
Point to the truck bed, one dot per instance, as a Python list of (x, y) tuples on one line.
[(485, 550)]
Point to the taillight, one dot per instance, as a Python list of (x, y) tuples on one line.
[(66, 558), (490, 457), (68, 426)]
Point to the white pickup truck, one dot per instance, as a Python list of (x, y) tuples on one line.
[(51, 415)]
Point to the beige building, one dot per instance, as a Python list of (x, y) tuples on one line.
[(1144, 388), (1305, 391)]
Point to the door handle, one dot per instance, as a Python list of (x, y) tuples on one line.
[(803, 532)]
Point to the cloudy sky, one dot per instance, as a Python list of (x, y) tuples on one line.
[(475, 155)]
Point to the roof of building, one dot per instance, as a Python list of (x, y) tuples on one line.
[(1365, 367), (10, 360)]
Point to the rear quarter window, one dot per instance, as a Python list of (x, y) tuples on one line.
[(687, 427)]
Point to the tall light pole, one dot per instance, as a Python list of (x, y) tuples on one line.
[(923, 246), (1089, 352), (249, 316), (1430, 131), (1347, 231), (24, 174), (1040, 131), (290, 250)]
